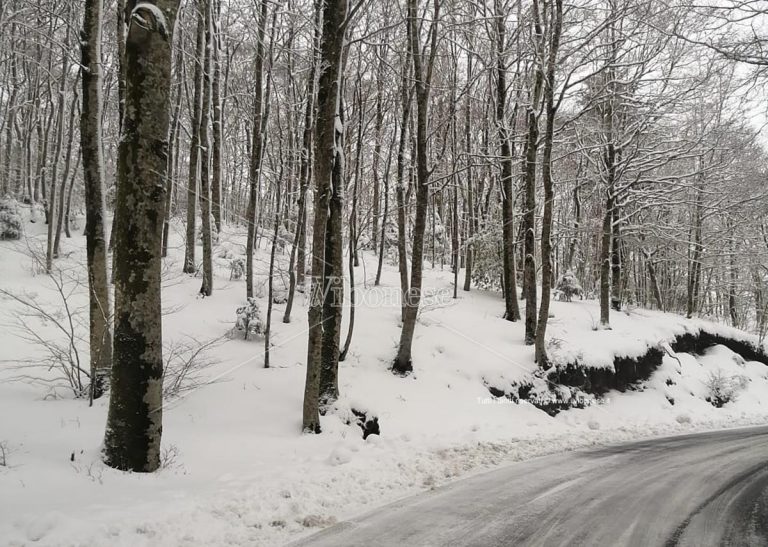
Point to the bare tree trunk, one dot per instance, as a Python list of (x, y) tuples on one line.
[(379, 121), (65, 175), (55, 215), (384, 217), (95, 202), (400, 191), (270, 282), (327, 152), (576, 224), (121, 19), (423, 77), (298, 270), (190, 265), (206, 289), (257, 148), (529, 214), (732, 274), (217, 117), (297, 265), (616, 265), (694, 264), (173, 151), (134, 424), (333, 282), (549, 194), (511, 306), (470, 205), (605, 261), (67, 216)]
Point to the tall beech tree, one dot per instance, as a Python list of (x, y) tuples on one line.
[(134, 423), (328, 153)]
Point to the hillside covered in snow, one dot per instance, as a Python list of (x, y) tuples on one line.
[(236, 468)]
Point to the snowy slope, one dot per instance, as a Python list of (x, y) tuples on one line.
[(239, 472)]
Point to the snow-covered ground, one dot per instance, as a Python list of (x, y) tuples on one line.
[(237, 469)]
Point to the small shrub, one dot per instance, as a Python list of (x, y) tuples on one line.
[(568, 286), (486, 259), (185, 361), (236, 268), (10, 220), (723, 389), (249, 318)]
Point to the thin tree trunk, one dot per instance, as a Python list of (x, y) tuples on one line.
[(549, 195), (217, 118), (55, 210), (423, 76), (297, 262), (298, 269), (400, 191), (616, 265), (65, 175), (270, 282), (95, 202), (470, 205), (529, 214), (173, 152), (379, 121), (605, 262), (67, 215), (257, 148), (190, 265), (206, 289), (506, 152)]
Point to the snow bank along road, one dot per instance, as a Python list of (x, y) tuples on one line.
[(703, 489)]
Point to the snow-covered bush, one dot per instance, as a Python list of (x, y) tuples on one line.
[(567, 287), (722, 389), (36, 212), (10, 220), (236, 268), (249, 318), (486, 260)]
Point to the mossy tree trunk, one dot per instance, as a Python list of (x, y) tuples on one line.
[(134, 423)]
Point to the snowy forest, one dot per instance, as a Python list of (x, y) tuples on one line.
[(242, 236)]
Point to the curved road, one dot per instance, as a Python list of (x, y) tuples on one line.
[(704, 489)]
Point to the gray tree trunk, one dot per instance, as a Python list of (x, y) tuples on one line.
[(257, 148), (325, 156), (217, 117), (423, 76), (546, 177), (506, 153), (190, 265), (206, 289), (529, 213), (95, 202), (134, 423), (298, 260)]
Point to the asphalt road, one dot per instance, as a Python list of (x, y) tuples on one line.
[(705, 489)]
